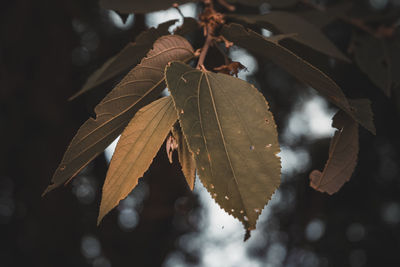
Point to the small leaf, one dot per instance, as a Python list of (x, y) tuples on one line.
[(186, 158), (285, 22), (138, 145), (139, 87), (139, 6), (342, 160), (127, 58), (379, 59), (232, 135), (301, 69)]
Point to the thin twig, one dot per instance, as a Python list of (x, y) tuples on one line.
[(204, 49), (176, 6)]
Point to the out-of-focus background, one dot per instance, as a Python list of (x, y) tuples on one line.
[(47, 51)]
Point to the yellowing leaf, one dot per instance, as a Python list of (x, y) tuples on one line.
[(138, 145), (186, 158), (127, 58), (301, 69), (138, 88), (232, 135), (139, 6), (285, 22), (342, 160)]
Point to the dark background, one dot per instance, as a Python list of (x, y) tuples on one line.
[(48, 49)]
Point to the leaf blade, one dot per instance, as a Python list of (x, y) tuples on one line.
[(138, 145), (342, 159), (185, 156), (299, 68), (138, 88), (128, 57), (306, 33), (233, 159)]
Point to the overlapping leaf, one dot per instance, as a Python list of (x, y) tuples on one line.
[(127, 58), (186, 158), (342, 160), (138, 145), (232, 135), (138, 88), (285, 22), (139, 6), (301, 69)]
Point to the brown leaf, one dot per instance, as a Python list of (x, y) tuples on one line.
[(342, 159), (171, 145), (285, 22), (298, 67), (126, 59), (232, 134), (232, 68), (139, 87), (185, 156), (138, 145)]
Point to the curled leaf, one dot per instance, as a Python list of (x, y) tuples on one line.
[(232, 135), (135, 151), (342, 159), (139, 87)]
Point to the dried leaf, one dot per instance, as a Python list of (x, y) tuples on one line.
[(301, 69), (127, 58), (232, 68), (342, 160), (138, 145), (285, 22), (186, 158), (139, 6), (379, 59), (138, 88), (232, 135), (171, 145)]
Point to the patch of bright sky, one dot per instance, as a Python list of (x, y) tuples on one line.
[(247, 60), (110, 149), (117, 21), (157, 17), (311, 119)]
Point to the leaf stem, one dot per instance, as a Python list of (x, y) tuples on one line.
[(204, 49)]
